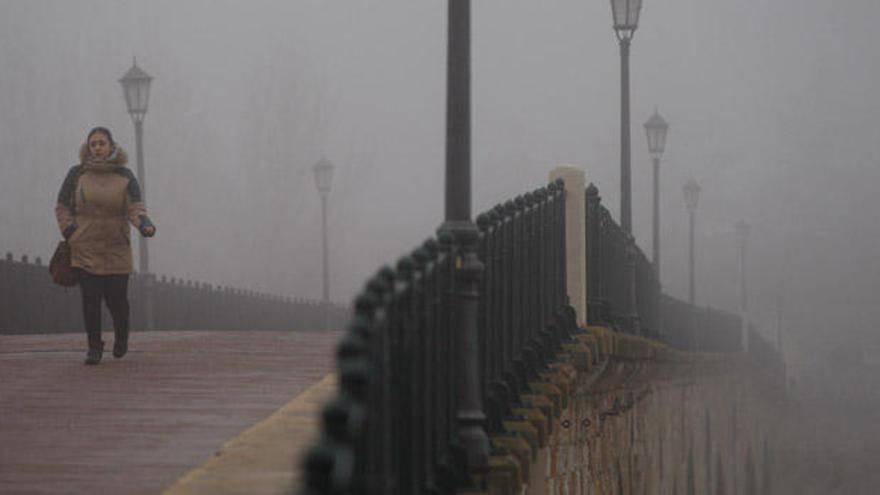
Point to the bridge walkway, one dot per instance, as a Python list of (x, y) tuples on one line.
[(183, 412)]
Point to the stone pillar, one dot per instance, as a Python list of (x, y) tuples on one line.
[(575, 238)]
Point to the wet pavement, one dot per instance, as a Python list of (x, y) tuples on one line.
[(138, 424)]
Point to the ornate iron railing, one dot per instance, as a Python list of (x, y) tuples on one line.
[(621, 282), (623, 293), (396, 424), (699, 328), (393, 428)]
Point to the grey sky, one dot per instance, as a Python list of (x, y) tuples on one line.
[(772, 107)]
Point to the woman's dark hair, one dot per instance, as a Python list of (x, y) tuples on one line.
[(101, 130)]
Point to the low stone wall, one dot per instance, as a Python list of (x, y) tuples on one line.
[(622, 414), (31, 303)]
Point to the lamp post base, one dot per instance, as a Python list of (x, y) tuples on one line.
[(468, 270)]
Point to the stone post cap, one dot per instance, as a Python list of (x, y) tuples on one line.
[(570, 174)]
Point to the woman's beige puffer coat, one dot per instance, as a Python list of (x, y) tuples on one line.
[(95, 205)]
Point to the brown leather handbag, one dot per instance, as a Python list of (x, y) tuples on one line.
[(59, 267)]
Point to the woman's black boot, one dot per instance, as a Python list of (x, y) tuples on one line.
[(95, 353), (120, 344)]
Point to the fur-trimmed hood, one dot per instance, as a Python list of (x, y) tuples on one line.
[(118, 157)]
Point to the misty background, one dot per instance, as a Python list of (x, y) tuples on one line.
[(772, 107)]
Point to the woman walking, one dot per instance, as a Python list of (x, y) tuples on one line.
[(97, 201)]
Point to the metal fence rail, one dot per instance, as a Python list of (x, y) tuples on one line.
[(525, 314), (623, 293), (699, 328), (393, 427), (622, 285)]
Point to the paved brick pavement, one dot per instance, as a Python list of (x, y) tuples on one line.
[(265, 459), (138, 424)]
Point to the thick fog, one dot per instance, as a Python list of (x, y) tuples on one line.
[(773, 109)]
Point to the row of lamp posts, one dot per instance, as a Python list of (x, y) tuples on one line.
[(458, 222), (625, 15), (136, 89), (656, 129), (471, 433)]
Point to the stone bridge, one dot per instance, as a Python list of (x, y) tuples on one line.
[(559, 388), (531, 351), (568, 381)]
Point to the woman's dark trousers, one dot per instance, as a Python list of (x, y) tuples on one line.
[(114, 290)]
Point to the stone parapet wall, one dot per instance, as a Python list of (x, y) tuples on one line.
[(623, 414), (31, 303)]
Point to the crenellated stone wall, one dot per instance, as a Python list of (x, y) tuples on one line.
[(626, 415)]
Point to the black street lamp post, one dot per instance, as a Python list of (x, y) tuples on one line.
[(323, 171), (655, 129), (741, 229), (458, 225), (626, 20), (691, 198), (136, 89)]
